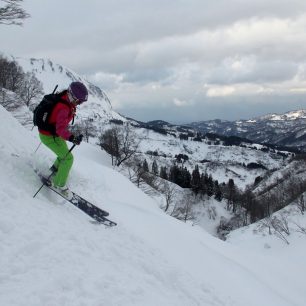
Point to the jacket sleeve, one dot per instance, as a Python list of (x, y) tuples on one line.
[(62, 122)]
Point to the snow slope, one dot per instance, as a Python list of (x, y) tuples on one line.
[(52, 255)]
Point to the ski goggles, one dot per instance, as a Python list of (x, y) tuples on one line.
[(72, 98)]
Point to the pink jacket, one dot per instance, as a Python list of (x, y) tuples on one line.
[(61, 116)]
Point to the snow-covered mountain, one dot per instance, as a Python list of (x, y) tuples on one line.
[(52, 255), (280, 129), (98, 106)]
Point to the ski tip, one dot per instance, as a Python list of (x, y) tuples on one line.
[(104, 221)]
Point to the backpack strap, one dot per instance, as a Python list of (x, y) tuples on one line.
[(61, 100)]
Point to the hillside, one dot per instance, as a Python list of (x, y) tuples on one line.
[(52, 255), (212, 156)]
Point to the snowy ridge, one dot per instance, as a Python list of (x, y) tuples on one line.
[(278, 129), (292, 115), (50, 74), (52, 255)]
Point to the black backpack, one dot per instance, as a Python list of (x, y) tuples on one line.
[(43, 110)]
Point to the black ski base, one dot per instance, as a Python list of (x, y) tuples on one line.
[(98, 214)]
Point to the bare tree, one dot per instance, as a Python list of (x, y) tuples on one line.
[(109, 141), (13, 79), (183, 210), (8, 100), (30, 88), (266, 223), (12, 13), (121, 143), (138, 174), (212, 212), (11, 74), (85, 127), (301, 204), (128, 144), (3, 65), (300, 229), (88, 128), (280, 232), (279, 225), (168, 189)]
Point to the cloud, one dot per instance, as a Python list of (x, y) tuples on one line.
[(108, 81), (181, 103), (220, 91), (157, 55)]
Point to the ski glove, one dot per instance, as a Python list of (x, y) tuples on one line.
[(76, 139)]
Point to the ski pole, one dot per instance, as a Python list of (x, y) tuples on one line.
[(37, 148), (54, 89), (53, 172)]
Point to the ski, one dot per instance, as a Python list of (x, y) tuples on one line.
[(98, 214)]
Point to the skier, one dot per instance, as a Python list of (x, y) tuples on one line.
[(60, 117)]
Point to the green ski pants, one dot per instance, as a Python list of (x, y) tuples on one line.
[(64, 158)]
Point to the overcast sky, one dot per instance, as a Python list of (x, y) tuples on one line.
[(180, 60)]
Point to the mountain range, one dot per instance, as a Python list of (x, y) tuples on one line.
[(287, 129)]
